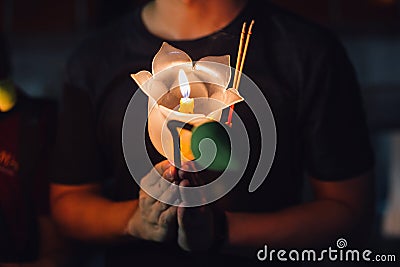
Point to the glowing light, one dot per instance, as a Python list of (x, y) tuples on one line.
[(184, 84)]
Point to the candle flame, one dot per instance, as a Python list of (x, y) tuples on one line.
[(184, 84)]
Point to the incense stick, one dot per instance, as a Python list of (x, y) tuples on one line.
[(240, 63), (239, 54), (244, 54)]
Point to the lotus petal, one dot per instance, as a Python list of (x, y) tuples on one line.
[(214, 69), (169, 56)]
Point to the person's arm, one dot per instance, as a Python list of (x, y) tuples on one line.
[(339, 208), (84, 214)]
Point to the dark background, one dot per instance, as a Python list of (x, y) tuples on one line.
[(42, 33)]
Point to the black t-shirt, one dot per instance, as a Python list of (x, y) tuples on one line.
[(301, 68)]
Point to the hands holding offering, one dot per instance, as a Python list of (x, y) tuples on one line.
[(154, 220), (194, 228)]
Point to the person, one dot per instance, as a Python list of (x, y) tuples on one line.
[(28, 235), (307, 78)]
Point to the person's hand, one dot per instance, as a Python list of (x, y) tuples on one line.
[(195, 225), (153, 219)]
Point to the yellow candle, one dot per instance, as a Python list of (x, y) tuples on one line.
[(186, 105)]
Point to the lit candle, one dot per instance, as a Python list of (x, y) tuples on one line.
[(186, 106), (186, 103)]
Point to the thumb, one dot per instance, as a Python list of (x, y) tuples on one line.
[(162, 166), (180, 214)]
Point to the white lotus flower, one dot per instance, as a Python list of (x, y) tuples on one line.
[(208, 79)]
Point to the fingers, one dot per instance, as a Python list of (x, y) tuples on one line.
[(186, 171), (182, 209), (190, 194), (157, 212), (150, 179), (169, 174), (180, 214), (162, 166), (145, 203), (155, 185), (168, 217), (155, 174), (170, 196), (158, 193)]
